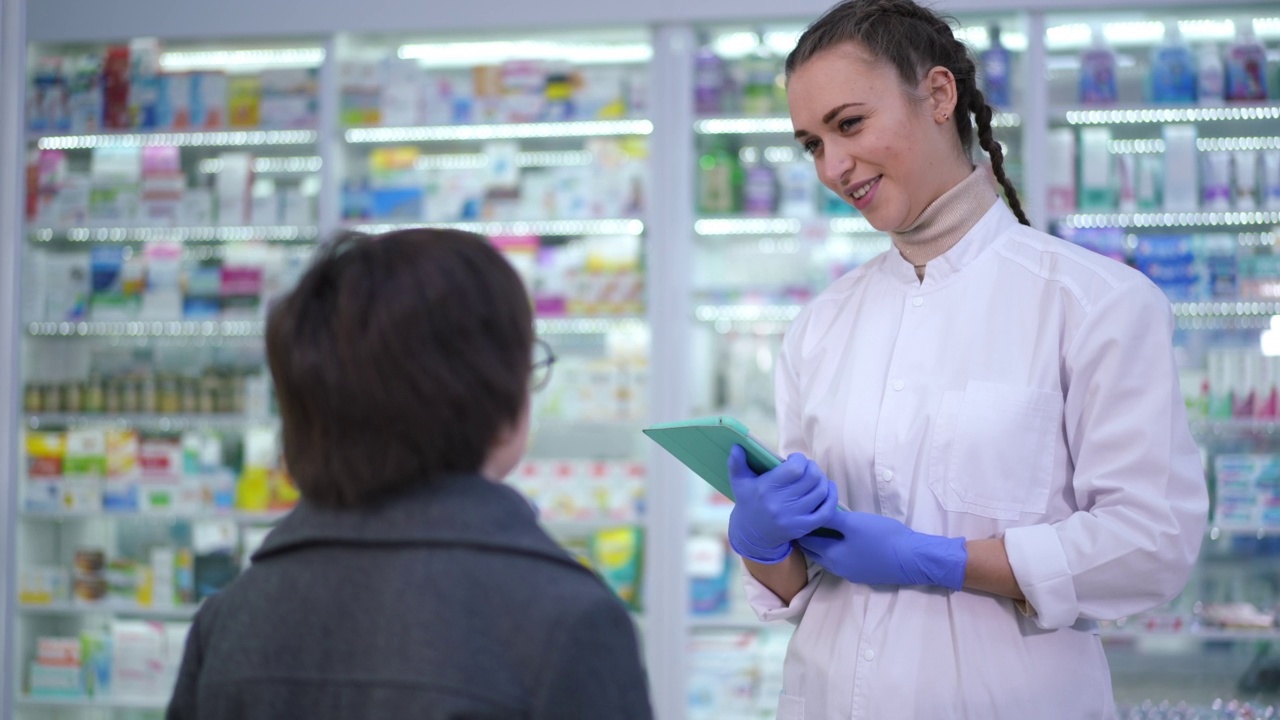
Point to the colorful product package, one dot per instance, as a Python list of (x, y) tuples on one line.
[(616, 554)]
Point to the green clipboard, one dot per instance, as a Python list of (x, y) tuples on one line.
[(703, 444)]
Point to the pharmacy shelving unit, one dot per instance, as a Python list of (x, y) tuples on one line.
[(686, 253)]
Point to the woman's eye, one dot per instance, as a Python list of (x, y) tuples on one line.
[(810, 148), (850, 123)]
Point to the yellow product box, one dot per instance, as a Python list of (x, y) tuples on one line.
[(122, 453), (46, 453), (43, 585), (244, 101)]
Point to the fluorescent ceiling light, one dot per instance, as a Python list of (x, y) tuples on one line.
[(735, 45), (183, 61), (468, 54)]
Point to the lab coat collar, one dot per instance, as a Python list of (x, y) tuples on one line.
[(452, 510), (981, 236)]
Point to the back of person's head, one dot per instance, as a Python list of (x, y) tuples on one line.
[(398, 358), (912, 39)]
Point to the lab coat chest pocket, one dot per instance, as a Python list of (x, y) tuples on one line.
[(992, 450)]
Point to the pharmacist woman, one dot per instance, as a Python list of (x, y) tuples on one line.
[(998, 408)]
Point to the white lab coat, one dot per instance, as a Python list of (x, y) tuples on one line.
[(1025, 389)]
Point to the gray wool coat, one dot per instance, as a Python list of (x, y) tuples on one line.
[(446, 602)]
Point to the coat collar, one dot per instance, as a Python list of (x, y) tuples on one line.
[(466, 510), (995, 221)]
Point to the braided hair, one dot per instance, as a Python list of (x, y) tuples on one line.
[(912, 39)]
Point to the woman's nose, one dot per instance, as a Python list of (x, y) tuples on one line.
[(835, 168)]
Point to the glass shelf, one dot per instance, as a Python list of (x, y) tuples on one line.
[(147, 421), (544, 228), (508, 131), (1153, 114), (158, 328), (1205, 634), (1171, 219), (110, 703), (779, 226), (783, 126), (241, 517), (747, 313), (221, 233), (589, 325), (107, 607), (205, 138)]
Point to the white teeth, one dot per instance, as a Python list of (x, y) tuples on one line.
[(857, 194)]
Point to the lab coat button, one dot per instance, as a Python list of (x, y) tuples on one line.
[(917, 301), (869, 655), (898, 384), (887, 475)]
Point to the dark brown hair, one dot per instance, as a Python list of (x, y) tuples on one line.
[(398, 358), (912, 39)]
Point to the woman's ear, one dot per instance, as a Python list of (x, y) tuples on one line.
[(939, 87)]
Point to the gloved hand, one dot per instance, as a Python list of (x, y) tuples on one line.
[(878, 550), (772, 509)]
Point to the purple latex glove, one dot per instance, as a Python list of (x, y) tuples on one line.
[(781, 505), (878, 550)]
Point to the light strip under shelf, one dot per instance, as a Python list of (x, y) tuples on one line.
[(210, 138), (589, 325), (1228, 144), (509, 131), (269, 165), (1170, 219), (475, 161), (564, 228), (783, 126), (161, 421), (159, 328), (776, 226), (1148, 115), (187, 60), (1242, 308), (746, 313), (214, 233)]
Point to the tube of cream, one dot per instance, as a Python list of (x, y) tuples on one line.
[(1216, 189), (1271, 179), (1245, 179)]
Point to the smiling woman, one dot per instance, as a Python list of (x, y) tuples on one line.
[(998, 502)]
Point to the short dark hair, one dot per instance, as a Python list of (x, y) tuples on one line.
[(397, 358), (912, 39)]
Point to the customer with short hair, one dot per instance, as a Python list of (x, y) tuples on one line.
[(409, 582)]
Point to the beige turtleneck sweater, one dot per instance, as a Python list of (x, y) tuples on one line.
[(941, 225)]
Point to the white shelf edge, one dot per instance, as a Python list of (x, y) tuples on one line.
[(1126, 114), (64, 607), (1172, 219), (106, 702), (239, 517), (578, 527), (221, 137), (589, 325), (178, 233), (600, 226), (1206, 635), (159, 421), (498, 131), (149, 328)]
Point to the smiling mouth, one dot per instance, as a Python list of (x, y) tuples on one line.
[(858, 193)]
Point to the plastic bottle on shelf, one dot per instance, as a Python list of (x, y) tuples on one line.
[(761, 80), (1173, 69), (1098, 71), (719, 179), (708, 81), (1210, 76), (1246, 66), (760, 189), (995, 71)]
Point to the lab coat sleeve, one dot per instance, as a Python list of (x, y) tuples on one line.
[(1139, 481), (791, 439)]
